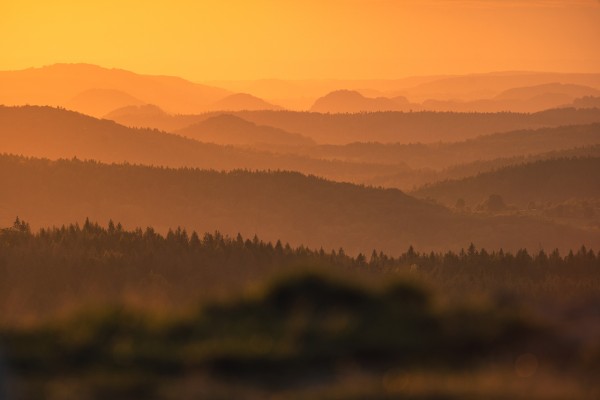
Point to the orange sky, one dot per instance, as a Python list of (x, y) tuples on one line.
[(227, 39)]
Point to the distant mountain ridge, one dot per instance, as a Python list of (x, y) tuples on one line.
[(85, 88)]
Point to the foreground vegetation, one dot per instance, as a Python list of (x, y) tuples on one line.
[(91, 312)]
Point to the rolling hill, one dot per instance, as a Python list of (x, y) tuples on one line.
[(231, 130), (274, 205), (300, 94), (54, 133)]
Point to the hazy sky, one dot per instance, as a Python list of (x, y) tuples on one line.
[(226, 39)]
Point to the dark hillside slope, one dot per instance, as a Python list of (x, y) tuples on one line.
[(274, 205)]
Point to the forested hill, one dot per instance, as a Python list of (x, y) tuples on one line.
[(275, 205), (547, 181)]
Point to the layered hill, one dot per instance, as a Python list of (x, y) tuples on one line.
[(301, 94), (384, 127), (228, 129), (55, 133), (274, 205)]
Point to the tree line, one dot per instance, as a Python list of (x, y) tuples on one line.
[(54, 268)]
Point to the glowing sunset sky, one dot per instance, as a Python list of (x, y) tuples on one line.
[(205, 40)]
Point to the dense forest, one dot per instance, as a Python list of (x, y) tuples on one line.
[(42, 272)]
